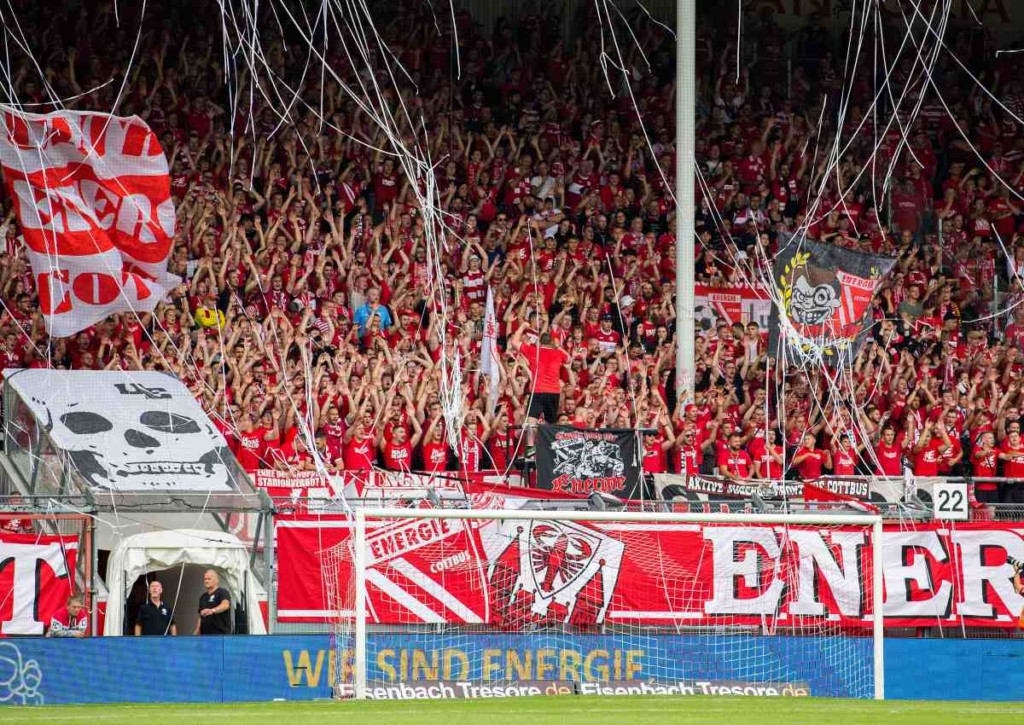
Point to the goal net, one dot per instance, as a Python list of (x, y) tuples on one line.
[(469, 603)]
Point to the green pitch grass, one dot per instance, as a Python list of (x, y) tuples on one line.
[(618, 710)]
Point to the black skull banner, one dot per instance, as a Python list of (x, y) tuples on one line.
[(584, 461), (823, 295)]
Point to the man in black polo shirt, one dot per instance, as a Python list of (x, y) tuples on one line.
[(155, 618), (214, 607)]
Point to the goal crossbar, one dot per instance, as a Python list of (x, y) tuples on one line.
[(810, 519), (360, 516)]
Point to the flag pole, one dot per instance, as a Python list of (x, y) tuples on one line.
[(686, 75), (490, 363)]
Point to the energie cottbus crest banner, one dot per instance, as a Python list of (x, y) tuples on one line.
[(824, 293), (93, 199)]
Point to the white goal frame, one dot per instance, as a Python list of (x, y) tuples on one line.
[(808, 519)]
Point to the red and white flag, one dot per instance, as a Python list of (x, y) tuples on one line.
[(93, 199), (813, 492), (489, 364)]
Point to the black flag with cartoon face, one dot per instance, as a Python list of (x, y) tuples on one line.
[(822, 298)]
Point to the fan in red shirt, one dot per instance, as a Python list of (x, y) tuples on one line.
[(333, 426), (360, 447), (607, 338), (810, 461), (545, 362), (769, 460), (294, 455), (499, 443), (656, 445), (889, 452), (473, 436), (690, 455), (985, 459), (844, 458), (1012, 456), (71, 620), (929, 449), (252, 443), (385, 185), (952, 456), (435, 448), (734, 462), (397, 452)]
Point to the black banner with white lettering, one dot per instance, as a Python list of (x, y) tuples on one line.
[(582, 461), (713, 487)]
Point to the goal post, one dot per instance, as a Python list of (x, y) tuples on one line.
[(482, 603)]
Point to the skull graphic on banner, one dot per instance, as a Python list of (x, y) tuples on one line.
[(142, 431)]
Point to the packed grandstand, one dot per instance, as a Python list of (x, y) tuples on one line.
[(303, 317), (392, 329)]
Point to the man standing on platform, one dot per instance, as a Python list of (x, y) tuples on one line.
[(545, 362)]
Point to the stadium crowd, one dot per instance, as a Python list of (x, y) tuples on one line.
[(304, 315)]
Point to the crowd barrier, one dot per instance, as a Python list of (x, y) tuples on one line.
[(894, 497), (252, 669)]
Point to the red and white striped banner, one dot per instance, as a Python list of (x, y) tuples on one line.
[(511, 574), (856, 293)]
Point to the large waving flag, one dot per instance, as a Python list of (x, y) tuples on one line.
[(92, 195), (823, 296)]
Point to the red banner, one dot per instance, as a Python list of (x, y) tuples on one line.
[(517, 573), (375, 483), (35, 580), (93, 198)]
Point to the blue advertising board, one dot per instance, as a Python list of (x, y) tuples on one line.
[(301, 667)]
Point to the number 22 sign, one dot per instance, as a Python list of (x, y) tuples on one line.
[(950, 501)]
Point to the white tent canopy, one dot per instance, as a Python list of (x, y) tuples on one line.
[(159, 550)]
